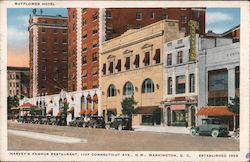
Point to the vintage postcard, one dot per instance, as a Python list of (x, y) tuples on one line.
[(124, 81)]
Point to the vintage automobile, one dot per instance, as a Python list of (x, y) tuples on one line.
[(95, 122), (28, 119), (210, 126), (52, 120), (77, 122), (36, 119), (61, 120), (21, 119), (44, 120), (120, 123)]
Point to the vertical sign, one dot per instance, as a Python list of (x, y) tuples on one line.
[(192, 53)]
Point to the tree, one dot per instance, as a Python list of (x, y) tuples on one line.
[(12, 102), (234, 105), (128, 106)]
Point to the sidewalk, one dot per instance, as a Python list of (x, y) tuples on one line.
[(162, 129)]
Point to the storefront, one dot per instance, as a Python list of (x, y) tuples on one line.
[(148, 115)]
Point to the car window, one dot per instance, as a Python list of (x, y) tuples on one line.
[(216, 122), (118, 119), (204, 122)]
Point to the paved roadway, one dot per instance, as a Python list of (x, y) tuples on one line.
[(20, 137)]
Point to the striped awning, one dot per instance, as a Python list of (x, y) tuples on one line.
[(82, 112), (88, 112)]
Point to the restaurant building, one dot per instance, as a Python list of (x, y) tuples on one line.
[(132, 65)]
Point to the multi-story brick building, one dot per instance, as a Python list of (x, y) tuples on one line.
[(18, 81), (88, 28), (48, 44)]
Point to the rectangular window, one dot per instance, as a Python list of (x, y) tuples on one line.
[(164, 16), (64, 31), (94, 71), (218, 80), (196, 14), (111, 67), (180, 84), (183, 19), (138, 16), (191, 83), (43, 40), (104, 69), (95, 30), (152, 15), (118, 65), (95, 17), (169, 59), (109, 27), (84, 22), (127, 63), (183, 29), (84, 34), (95, 43), (84, 48), (237, 77), (180, 57), (170, 85), (84, 60), (137, 61), (94, 56), (64, 41), (55, 31), (146, 59), (109, 14), (43, 30), (43, 76), (157, 56), (55, 41)]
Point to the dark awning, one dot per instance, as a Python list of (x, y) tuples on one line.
[(146, 109), (215, 111)]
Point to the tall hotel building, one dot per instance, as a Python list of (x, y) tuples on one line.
[(88, 28), (48, 49)]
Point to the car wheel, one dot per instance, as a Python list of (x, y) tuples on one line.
[(193, 132), (107, 126), (94, 126), (215, 133), (119, 127), (83, 125)]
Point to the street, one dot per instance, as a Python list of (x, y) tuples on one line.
[(42, 137)]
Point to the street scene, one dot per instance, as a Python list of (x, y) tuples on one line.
[(90, 139), (124, 79)]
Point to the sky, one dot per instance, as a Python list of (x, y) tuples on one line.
[(218, 20)]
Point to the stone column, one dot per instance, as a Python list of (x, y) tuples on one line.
[(231, 82)]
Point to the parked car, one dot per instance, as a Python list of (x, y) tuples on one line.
[(52, 120), (96, 122), (77, 122), (36, 119), (210, 126), (21, 119), (61, 120), (120, 123), (44, 120), (28, 119)]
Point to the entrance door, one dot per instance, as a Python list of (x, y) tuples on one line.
[(192, 116), (168, 116)]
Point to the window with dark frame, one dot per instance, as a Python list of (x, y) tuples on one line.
[(94, 57), (111, 91), (179, 57), (137, 61), (104, 69), (152, 15), (180, 84), (183, 19), (146, 59), (111, 67), (237, 77), (157, 56), (169, 59), (191, 83), (109, 14), (118, 65), (127, 63), (84, 60), (138, 16), (95, 17), (170, 85)]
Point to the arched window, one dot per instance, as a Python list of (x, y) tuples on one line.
[(111, 91), (128, 89), (147, 86)]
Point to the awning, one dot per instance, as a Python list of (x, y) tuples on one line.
[(146, 109), (50, 111), (82, 112), (178, 107), (27, 104), (71, 110), (88, 111), (215, 111), (94, 112)]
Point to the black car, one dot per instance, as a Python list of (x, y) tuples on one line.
[(44, 120), (77, 122), (96, 122), (52, 120), (36, 119), (120, 123), (61, 120), (21, 119)]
